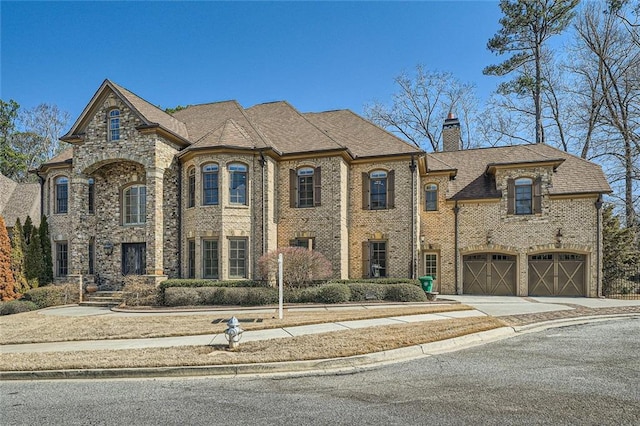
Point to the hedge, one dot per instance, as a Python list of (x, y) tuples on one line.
[(53, 295), (16, 307)]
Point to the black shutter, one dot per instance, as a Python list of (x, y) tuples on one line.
[(293, 188), (365, 191), (537, 195), (317, 186), (391, 192), (510, 196), (366, 268)]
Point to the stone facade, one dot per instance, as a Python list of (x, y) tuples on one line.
[(395, 239)]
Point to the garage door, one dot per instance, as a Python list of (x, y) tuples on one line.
[(489, 273), (557, 274)]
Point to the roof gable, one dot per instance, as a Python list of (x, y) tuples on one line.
[(149, 114)]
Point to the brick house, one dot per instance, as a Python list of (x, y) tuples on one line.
[(203, 193)]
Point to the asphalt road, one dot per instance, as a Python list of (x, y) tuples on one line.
[(586, 375)]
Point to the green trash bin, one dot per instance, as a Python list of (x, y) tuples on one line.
[(427, 283)]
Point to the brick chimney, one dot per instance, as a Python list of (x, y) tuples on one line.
[(451, 140)]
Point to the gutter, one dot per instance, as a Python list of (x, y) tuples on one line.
[(599, 265), (179, 219), (414, 265)]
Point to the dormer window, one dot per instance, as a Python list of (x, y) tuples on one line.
[(114, 125), (524, 196)]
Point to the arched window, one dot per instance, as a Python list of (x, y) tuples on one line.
[(305, 187), (114, 125), (524, 195), (192, 187), (237, 183), (62, 195), (210, 184), (378, 183), (431, 197), (134, 200)]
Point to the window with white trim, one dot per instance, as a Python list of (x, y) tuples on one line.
[(114, 125), (237, 183), (210, 193), (431, 197), (134, 200)]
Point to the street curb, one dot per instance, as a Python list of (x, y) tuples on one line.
[(315, 367)]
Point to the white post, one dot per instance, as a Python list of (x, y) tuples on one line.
[(280, 287)]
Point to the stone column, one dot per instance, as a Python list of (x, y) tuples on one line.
[(155, 221), (78, 239)]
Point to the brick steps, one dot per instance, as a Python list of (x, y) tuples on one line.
[(102, 299)]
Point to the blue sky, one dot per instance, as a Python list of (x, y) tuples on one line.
[(316, 55)]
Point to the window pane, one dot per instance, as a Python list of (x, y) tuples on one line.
[(62, 259), (523, 199), (62, 195), (238, 183), (431, 265), (237, 257), (210, 258), (91, 195), (114, 125), (378, 192), (191, 259), (210, 185), (431, 197), (135, 205), (379, 259), (92, 256), (305, 191), (192, 188)]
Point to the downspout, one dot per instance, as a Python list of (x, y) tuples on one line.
[(41, 180), (456, 210), (598, 205), (179, 219), (412, 167), (263, 164)]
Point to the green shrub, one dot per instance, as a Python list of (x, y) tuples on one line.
[(362, 292), (181, 296), (17, 307), (405, 293), (136, 292), (53, 295), (234, 296), (261, 296), (378, 281), (202, 283), (210, 295), (333, 293)]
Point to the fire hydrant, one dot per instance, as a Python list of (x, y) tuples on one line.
[(233, 332)]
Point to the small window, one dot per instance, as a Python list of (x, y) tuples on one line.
[(210, 259), (571, 257), (134, 205), (305, 187), (431, 265), (524, 196), (237, 258), (307, 243), (191, 259), (210, 184), (192, 187), (431, 197), (378, 182), (92, 256), (91, 196), (62, 194), (237, 183), (378, 259), (62, 259), (114, 125), (547, 256)]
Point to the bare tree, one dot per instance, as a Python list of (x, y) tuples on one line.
[(417, 111), (616, 57)]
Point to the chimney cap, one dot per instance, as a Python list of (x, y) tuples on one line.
[(451, 116)]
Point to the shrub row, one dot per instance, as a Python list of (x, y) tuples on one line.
[(256, 296), (53, 295), (16, 307)]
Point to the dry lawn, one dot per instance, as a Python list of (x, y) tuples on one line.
[(319, 346), (35, 327)]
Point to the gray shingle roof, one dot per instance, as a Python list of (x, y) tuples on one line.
[(361, 137), (573, 176), (19, 200)]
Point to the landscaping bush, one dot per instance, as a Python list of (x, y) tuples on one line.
[(53, 295), (301, 267), (405, 293), (17, 307), (333, 293), (201, 283), (233, 296), (136, 292), (361, 292), (181, 296), (261, 296)]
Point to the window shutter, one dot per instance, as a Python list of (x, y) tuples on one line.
[(293, 188), (391, 193), (365, 191), (366, 269), (537, 195), (317, 186), (511, 189)]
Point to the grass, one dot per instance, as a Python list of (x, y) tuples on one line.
[(36, 327), (319, 346)]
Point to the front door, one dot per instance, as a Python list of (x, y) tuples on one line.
[(134, 258)]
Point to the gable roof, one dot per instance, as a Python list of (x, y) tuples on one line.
[(573, 175), (150, 115), (64, 157), (19, 200)]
